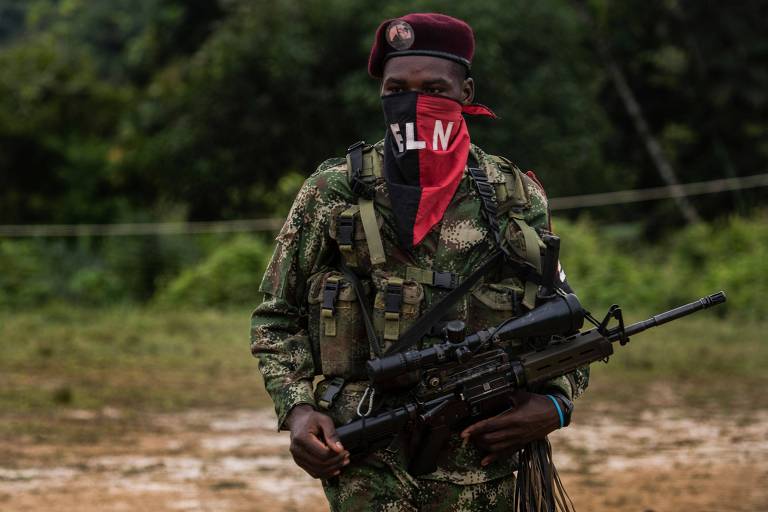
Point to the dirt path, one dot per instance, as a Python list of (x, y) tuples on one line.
[(658, 459)]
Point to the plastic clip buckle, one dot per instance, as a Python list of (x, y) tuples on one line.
[(330, 294), (445, 280), (393, 298), (331, 392), (346, 230)]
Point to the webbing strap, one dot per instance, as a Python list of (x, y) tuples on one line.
[(360, 183), (351, 277), (328, 308), (533, 255), (345, 234), (447, 280), (393, 302), (488, 203), (371, 228)]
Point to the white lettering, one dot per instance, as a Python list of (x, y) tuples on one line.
[(442, 135), (410, 142), (398, 136)]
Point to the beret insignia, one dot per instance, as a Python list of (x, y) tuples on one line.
[(400, 35)]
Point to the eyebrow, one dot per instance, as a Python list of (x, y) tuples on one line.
[(437, 81), (431, 81)]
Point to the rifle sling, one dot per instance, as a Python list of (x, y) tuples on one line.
[(350, 276)]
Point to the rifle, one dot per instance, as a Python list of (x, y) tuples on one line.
[(467, 378)]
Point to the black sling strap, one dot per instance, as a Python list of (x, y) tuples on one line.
[(350, 276)]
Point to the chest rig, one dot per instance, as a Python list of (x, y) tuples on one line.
[(502, 194), (397, 319)]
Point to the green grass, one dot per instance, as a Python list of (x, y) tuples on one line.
[(126, 358), (154, 359)]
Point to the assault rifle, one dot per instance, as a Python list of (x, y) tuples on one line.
[(467, 378)]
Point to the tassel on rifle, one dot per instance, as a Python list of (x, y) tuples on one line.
[(538, 487)]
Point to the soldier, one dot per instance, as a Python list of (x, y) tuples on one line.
[(409, 218)]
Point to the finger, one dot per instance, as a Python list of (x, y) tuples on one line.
[(496, 436), (329, 435), (334, 460), (477, 428), (314, 446)]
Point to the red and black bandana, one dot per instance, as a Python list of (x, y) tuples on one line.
[(425, 152)]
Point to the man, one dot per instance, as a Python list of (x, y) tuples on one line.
[(407, 217)]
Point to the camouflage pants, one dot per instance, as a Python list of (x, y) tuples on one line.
[(373, 485)]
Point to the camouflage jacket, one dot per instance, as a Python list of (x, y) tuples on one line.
[(284, 328)]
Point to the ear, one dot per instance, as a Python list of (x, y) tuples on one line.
[(468, 91)]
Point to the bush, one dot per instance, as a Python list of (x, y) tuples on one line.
[(229, 276), (730, 255)]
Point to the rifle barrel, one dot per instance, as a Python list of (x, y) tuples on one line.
[(673, 314)]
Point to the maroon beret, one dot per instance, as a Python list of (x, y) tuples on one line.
[(432, 34)]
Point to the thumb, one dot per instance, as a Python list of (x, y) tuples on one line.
[(329, 434)]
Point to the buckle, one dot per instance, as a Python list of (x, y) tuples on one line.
[(345, 231), (330, 393), (330, 294), (447, 280), (361, 188), (393, 298), (356, 145)]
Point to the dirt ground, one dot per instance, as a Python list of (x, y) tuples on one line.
[(662, 456)]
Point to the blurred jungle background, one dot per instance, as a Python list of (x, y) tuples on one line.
[(149, 150)]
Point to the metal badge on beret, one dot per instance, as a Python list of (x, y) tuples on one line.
[(400, 35)]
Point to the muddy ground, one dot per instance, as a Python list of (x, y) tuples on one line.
[(661, 456)]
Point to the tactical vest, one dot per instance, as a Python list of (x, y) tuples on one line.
[(396, 293)]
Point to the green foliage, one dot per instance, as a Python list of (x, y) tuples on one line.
[(25, 278), (229, 276), (730, 255)]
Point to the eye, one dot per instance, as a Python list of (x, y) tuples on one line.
[(434, 90)]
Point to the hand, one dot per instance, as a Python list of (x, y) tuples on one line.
[(531, 417), (314, 444)]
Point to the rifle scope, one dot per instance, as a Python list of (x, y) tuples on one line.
[(561, 314)]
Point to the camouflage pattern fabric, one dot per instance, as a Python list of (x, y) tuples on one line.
[(378, 485), (284, 336)]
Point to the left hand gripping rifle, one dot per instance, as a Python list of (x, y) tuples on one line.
[(467, 378)]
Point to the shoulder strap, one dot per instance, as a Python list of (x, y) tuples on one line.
[(487, 201), (362, 183)]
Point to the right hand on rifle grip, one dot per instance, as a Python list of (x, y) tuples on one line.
[(314, 444)]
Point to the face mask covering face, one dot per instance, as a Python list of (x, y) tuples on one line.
[(425, 152)]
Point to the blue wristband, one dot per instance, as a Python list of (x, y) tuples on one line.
[(559, 411)]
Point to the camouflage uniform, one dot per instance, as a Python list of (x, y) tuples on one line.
[(286, 328)]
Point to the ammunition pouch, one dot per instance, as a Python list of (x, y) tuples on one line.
[(492, 303), (396, 306), (336, 327)]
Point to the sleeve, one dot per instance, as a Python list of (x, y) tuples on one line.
[(279, 338), (571, 385)]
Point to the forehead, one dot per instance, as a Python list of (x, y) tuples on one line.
[(423, 67)]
